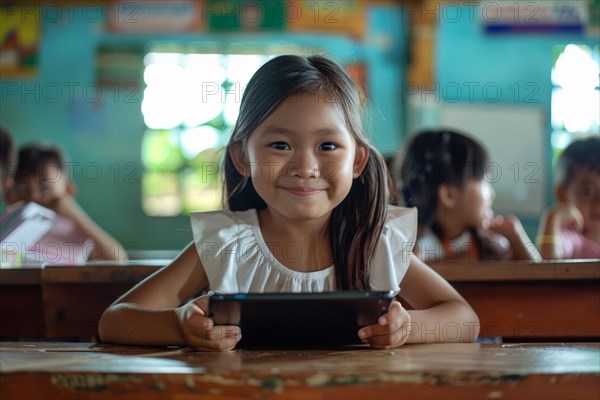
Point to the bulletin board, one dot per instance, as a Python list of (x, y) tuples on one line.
[(515, 138)]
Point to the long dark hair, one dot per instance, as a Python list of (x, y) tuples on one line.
[(34, 158), (358, 220), (433, 158)]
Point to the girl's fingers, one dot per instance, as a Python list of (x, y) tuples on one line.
[(391, 340), (382, 338), (388, 323), (202, 303), (200, 331), (393, 313), (221, 338)]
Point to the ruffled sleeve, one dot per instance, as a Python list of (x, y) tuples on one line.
[(393, 251), (221, 237)]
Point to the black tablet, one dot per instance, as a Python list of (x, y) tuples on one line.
[(299, 319)]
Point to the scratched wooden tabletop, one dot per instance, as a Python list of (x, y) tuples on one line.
[(461, 371)]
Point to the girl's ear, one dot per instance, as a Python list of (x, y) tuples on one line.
[(448, 195), (71, 189), (561, 193), (360, 160), (239, 160)]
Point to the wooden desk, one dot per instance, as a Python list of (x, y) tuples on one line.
[(450, 371), (63, 301), (518, 301), (524, 301)]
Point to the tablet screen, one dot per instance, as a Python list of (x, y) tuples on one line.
[(299, 319)]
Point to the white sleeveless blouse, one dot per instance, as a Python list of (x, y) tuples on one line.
[(237, 259)]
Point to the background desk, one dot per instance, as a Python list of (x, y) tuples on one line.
[(451, 371), (63, 301), (523, 301), (518, 301)]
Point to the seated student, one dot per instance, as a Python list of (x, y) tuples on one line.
[(442, 175), (75, 238), (571, 228), (7, 160), (308, 212)]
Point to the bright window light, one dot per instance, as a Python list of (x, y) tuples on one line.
[(190, 105), (575, 106)]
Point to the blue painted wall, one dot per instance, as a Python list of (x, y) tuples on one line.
[(102, 132)]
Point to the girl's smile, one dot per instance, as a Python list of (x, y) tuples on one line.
[(303, 191)]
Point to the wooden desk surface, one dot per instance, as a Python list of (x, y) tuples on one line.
[(454, 371)]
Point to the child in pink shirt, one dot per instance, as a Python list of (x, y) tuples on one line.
[(571, 228), (75, 237)]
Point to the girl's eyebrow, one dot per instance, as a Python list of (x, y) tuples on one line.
[(275, 130)]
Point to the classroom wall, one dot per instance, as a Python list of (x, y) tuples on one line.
[(102, 134)]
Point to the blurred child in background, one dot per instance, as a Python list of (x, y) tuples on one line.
[(75, 238), (571, 227), (442, 175)]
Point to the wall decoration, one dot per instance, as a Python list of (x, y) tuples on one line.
[(345, 17), (146, 16), (19, 39)]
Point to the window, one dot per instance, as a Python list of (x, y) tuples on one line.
[(575, 94), (190, 105)]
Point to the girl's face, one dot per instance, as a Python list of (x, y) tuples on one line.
[(43, 187), (475, 201), (302, 158), (584, 192)]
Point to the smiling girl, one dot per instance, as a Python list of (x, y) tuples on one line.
[(308, 211)]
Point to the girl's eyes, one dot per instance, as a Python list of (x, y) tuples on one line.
[(587, 191), (327, 147), (284, 146), (280, 146)]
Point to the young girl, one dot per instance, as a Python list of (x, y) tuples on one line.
[(571, 228), (307, 197), (442, 175)]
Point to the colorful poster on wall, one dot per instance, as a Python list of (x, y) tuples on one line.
[(20, 36), (347, 17), (147, 16), (245, 15)]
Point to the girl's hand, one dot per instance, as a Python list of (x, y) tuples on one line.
[(200, 332), (566, 215), (508, 226), (391, 330), (65, 206)]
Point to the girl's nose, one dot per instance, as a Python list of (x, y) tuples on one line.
[(305, 167)]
